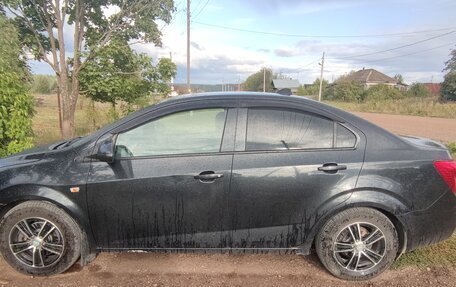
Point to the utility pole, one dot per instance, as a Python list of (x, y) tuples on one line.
[(321, 76), (188, 46), (264, 80)]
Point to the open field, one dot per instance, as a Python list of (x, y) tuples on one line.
[(46, 122)]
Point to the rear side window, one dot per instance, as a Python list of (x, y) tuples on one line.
[(271, 129)]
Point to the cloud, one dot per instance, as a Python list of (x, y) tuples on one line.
[(300, 7), (414, 62), (196, 46)]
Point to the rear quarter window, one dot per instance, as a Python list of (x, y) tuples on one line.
[(344, 137)]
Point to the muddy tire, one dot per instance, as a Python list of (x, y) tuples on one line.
[(38, 238), (357, 244)]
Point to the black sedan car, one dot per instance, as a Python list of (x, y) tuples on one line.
[(229, 172)]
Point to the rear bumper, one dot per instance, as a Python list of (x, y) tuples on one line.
[(432, 225)]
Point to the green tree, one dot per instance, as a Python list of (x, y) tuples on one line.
[(418, 90), (448, 89), (302, 91), (314, 88), (44, 84), (118, 73), (450, 65), (399, 78), (255, 81), (43, 25), (382, 92), (16, 104), (345, 90)]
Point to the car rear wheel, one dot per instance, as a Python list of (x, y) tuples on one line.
[(357, 244), (38, 238)]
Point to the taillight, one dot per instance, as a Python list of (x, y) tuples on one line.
[(447, 170)]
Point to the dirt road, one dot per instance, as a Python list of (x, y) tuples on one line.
[(439, 129), (128, 269)]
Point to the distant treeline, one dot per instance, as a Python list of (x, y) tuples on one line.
[(44, 84)]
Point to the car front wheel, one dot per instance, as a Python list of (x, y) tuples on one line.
[(357, 244), (38, 238)]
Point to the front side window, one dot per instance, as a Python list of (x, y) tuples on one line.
[(196, 131), (269, 129)]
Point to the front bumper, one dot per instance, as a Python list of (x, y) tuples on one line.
[(432, 225)]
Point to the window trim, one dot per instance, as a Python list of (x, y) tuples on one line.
[(222, 140), (245, 111)]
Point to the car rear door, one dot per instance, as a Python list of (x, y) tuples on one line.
[(290, 166), (169, 183)]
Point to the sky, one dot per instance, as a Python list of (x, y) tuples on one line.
[(231, 39)]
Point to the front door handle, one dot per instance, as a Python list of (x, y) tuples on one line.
[(332, 167), (208, 176)]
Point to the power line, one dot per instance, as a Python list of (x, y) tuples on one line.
[(320, 36), (313, 62), (204, 6), (396, 48), (408, 54), (196, 6)]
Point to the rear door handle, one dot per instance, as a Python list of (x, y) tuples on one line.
[(208, 176), (332, 167)]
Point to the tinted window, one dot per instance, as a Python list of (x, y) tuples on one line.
[(198, 131), (344, 137), (283, 129)]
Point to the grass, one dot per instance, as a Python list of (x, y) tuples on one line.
[(46, 122), (425, 107), (88, 119), (439, 255)]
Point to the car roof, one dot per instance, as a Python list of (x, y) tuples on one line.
[(235, 96), (224, 95)]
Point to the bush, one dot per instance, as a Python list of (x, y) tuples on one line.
[(382, 92), (16, 104), (16, 110), (44, 84), (418, 90), (452, 148), (346, 91)]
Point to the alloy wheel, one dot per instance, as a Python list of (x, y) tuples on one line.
[(359, 246), (36, 242)]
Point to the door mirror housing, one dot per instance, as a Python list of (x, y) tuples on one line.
[(105, 150)]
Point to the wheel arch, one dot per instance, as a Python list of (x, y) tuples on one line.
[(390, 208), (16, 195)]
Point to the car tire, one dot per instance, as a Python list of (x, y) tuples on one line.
[(357, 244), (38, 238)]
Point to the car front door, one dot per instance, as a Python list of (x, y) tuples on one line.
[(289, 166), (169, 182)]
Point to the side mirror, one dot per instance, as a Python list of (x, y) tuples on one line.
[(106, 150)]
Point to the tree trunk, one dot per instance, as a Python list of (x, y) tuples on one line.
[(67, 110)]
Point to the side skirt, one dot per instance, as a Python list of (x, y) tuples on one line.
[(294, 250)]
